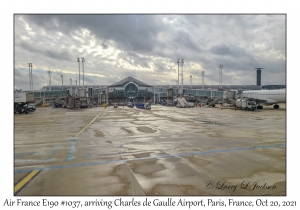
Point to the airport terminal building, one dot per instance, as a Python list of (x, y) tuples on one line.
[(131, 89)]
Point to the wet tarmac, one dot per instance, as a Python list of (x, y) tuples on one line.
[(162, 151)]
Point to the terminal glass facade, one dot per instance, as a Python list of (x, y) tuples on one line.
[(52, 93), (131, 89)]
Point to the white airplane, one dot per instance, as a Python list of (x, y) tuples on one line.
[(266, 97)]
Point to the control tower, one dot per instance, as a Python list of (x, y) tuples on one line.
[(258, 76)]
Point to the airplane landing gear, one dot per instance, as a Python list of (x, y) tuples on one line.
[(259, 107), (276, 106)]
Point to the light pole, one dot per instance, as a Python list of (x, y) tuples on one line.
[(202, 79), (49, 76), (106, 95), (78, 60), (182, 76), (71, 87), (191, 81), (220, 67), (62, 82), (154, 94), (75, 95), (178, 60), (30, 76), (76, 91), (82, 61)]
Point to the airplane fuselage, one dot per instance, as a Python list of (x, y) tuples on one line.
[(267, 97)]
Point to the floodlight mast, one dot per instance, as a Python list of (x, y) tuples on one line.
[(62, 82), (219, 78), (71, 87), (78, 60), (82, 61), (178, 60), (30, 77), (202, 79), (28, 65), (220, 67), (49, 76), (182, 76), (76, 91)]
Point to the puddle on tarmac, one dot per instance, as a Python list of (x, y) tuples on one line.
[(198, 161), (256, 118), (125, 129), (209, 122), (147, 167), (98, 133), (127, 183), (145, 129), (123, 182), (142, 155)]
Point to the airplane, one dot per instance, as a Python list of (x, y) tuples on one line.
[(266, 97)]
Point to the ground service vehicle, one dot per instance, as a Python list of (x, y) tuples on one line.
[(245, 104), (30, 107), (130, 104), (20, 108), (147, 106), (21, 100), (24, 97)]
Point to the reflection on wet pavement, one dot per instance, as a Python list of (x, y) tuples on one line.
[(162, 151)]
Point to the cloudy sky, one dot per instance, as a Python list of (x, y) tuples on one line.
[(147, 48)]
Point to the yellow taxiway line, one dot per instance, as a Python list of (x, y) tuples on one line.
[(87, 125), (25, 180), (32, 174)]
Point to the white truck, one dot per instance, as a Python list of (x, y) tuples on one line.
[(245, 104), (24, 97), (24, 102)]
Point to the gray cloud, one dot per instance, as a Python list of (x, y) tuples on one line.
[(133, 32), (147, 46)]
